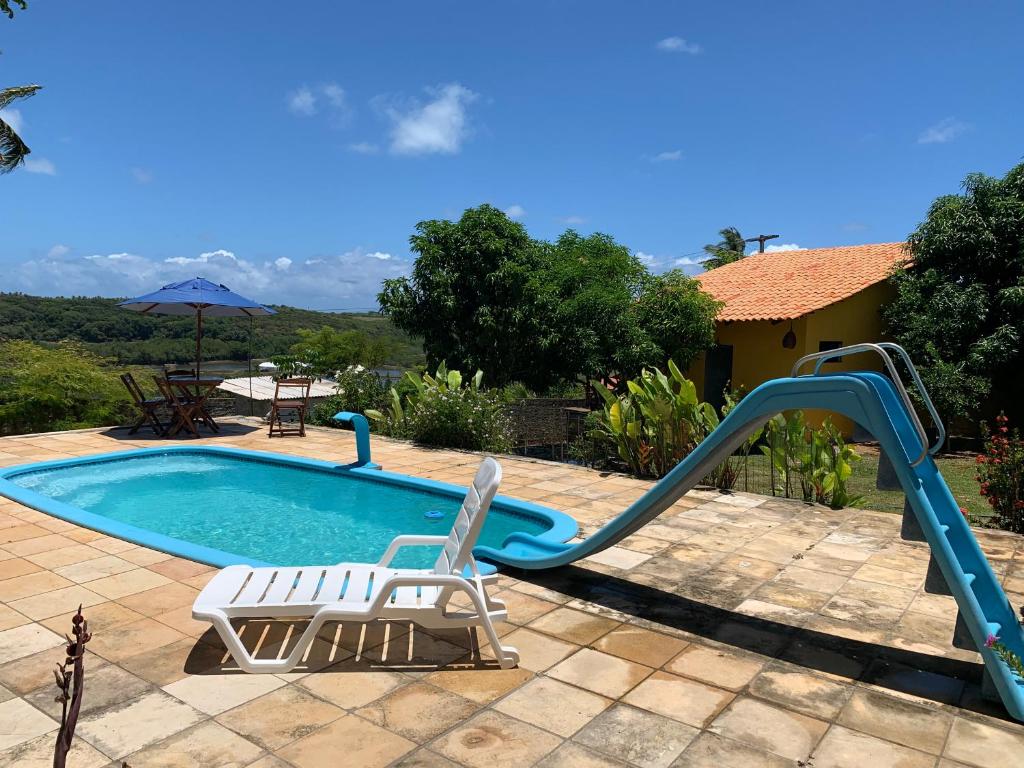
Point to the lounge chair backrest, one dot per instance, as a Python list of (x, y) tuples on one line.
[(470, 519), (133, 388), (293, 389)]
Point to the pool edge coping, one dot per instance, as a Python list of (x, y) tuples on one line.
[(563, 526)]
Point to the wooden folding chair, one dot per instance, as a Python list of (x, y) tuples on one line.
[(148, 406), (185, 410), (290, 396)]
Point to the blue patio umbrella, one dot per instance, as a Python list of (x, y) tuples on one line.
[(199, 297)]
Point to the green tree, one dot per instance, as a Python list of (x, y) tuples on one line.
[(13, 149), (727, 250), (5, 7), (330, 351), (470, 296), (959, 306), (483, 295)]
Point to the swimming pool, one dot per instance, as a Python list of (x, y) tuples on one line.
[(224, 506)]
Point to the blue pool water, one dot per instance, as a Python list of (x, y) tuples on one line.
[(276, 513)]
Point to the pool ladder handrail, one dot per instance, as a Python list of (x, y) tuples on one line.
[(882, 349)]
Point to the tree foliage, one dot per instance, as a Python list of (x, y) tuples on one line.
[(63, 387), (5, 7), (484, 295), (959, 306), (730, 248), (133, 338)]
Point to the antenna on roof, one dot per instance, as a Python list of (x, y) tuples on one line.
[(760, 239)]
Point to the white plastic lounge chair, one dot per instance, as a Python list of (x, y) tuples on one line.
[(362, 592)]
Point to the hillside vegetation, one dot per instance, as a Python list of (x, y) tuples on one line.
[(131, 338)]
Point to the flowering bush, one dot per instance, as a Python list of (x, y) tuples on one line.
[(1000, 473), (441, 410), (358, 390), (1011, 659)]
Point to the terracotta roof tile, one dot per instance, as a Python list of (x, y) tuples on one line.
[(785, 285)]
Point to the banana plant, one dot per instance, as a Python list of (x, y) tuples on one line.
[(393, 420)]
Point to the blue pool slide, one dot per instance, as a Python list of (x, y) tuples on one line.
[(880, 405)]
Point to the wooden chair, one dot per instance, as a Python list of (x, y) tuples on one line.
[(148, 406), (185, 410), (290, 396)]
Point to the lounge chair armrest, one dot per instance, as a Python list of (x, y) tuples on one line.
[(409, 540)]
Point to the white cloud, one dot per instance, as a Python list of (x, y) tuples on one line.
[(349, 280), (58, 251), (40, 165), (646, 258), (943, 131), (687, 261), (439, 126), (515, 211), (573, 221), (12, 117), (678, 45), (781, 247), (669, 156), (302, 102), (142, 175), (364, 148), (334, 94)]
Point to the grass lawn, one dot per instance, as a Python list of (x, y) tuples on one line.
[(957, 470)]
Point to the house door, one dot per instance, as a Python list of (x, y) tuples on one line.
[(717, 374)]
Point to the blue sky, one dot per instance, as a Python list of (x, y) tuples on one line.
[(289, 149)]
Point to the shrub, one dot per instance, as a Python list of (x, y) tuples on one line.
[(442, 410), (1000, 473), (44, 389), (819, 459), (656, 423), (358, 390)]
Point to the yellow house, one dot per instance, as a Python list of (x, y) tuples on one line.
[(782, 305)]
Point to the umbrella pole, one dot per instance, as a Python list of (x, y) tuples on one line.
[(199, 339)]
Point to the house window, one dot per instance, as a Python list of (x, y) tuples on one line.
[(825, 346)]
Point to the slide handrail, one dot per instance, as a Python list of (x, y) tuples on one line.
[(882, 350)]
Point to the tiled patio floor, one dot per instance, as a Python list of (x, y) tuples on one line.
[(736, 631)]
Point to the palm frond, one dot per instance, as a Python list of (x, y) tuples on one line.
[(5, 7), (12, 149)]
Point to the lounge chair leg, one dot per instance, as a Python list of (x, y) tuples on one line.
[(245, 660), (506, 655)]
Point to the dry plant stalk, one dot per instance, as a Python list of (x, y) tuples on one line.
[(70, 681)]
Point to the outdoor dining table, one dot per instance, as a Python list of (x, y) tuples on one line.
[(195, 390)]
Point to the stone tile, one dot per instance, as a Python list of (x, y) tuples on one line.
[(10, 618), (56, 558), (643, 646), (868, 572), (97, 568), (134, 638), (896, 720), (213, 694), (573, 755), (58, 602), (814, 581), (843, 748), (875, 615), (128, 583), (769, 728), (493, 740), (102, 618), (25, 640), (801, 599), (144, 557), (120, 730), (984, 745), (207, 744), (480, 685), (716, 666), (799, 691), (912, 683), (640, 738), (107, 684), (712, 751), (537, 652), (573, 626), (618, 557), (598, 672), (280, 717), (36, 544), (153, 602), (173, 661), (30, 584), (21, 722), (522, 608), (360, 742), (176, 568), (552, 705), (38, 753), (419, 711), (352, 689), (16, 566), (684, 700), (25, 674), (421, 758), (896, 597)]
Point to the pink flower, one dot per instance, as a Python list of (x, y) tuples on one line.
[(991, 640)]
